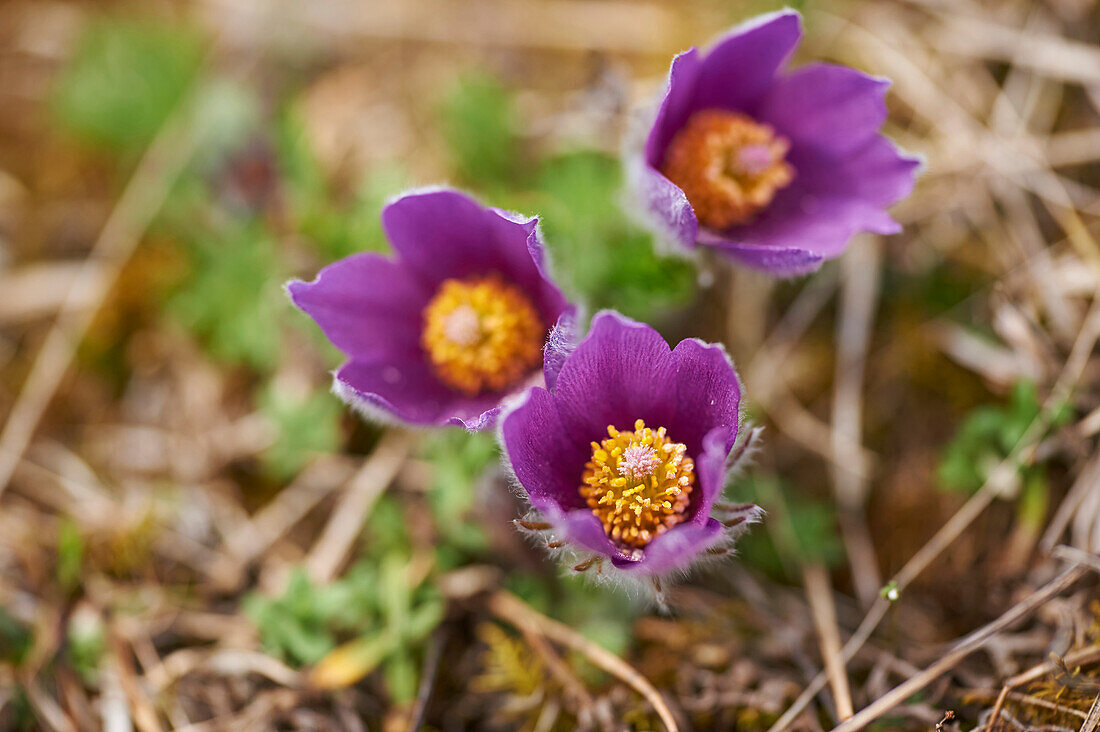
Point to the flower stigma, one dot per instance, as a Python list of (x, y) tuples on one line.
[(729, 166), (481, 334), (638, 483)]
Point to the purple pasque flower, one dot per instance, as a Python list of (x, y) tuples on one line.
[(624, 455), (452, 324), (775, 169)]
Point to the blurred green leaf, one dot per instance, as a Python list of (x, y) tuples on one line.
[(124, 79), (1034, 501), (16, 639), (988, 436), (610, 261), (70, 555), (233, 299), (597, 252), (479, 129), (373, 615), (336, 230), (401, 676), (306, 426), (225, 115), (87, 642), (22, 711), (459, 460), (799, 529)]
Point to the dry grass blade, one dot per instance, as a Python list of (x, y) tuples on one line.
[(355, 505), (960, 650), (1020, 454), (510, 608), (162, 163), (820, 595), (859, 297), (1092, 719)]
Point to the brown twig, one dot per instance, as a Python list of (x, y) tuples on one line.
[(859, 296), (1092, 719), (960, 650), (428, 676), (355, 505), (969, 511), (1085, 655), (820, 596), (1071, 554), (143, 197), (510, 608)]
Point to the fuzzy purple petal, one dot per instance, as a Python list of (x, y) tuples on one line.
[(547, 459), (734, 74), (665, 206), (409, 390), (372, 307), (711, 470), (829, 202), (619, 373), (708, 393), (583, 528), (742, 66), (444, 234), (623, 370), (561, 342), (828, 108), (675, 107), (846, 173), (674, 549), (367, 305), (779, 260)]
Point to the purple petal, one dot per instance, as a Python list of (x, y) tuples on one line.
[(675, 105), (674, 549), (547, 459), (742, 66), (708, 393), (583, 528), (409, 390), (561, 342), (622, 371), (444, 234), (830, 200), (664, 205), (832, 109), (779, 260), (711, 470), (366, 305)]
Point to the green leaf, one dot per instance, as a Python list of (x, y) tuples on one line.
[(609, 261), (479, 129), (125, 78), (988, 435), (799, 530), (87, 643), (306, 425), (233, 299), (70, 555), (336, 230), (459, 460), (16, 639)]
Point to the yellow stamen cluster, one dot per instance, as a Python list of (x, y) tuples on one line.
[(638, 483), (727, 165), (482, 334)]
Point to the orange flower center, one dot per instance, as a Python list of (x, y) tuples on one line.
[(727, 165), (482, 334), (638, 483)]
